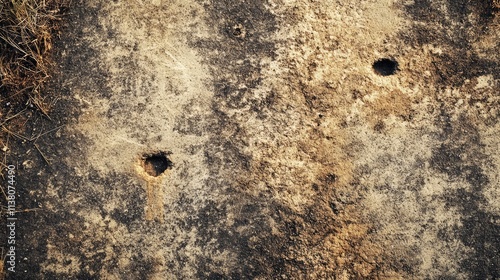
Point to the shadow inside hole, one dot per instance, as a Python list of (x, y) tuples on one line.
[(156, 164), (237, 31), (385, 66)]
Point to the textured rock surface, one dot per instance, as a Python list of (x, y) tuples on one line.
[(291, 157)]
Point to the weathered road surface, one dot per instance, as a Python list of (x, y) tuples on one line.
[(285, 155)]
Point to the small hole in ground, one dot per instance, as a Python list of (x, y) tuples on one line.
[(156, 164), (385, 66), (237, 31)]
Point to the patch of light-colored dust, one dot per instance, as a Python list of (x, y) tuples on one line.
[(325, 52), (322, 34), (153, 75), (332, 102), (377, 29), (153, 79), (407, 201)]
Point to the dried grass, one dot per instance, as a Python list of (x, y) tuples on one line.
[(27, 28)]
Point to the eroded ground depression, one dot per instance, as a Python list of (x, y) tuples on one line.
[(267, 140)]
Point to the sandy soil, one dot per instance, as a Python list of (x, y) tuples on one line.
[(289, 157)]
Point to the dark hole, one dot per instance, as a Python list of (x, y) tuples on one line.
[(156, 164), (237, 31), (385, 66)]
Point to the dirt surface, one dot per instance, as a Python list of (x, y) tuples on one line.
[(255, 140)]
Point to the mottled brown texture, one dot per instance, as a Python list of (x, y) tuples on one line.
[(292, 158)]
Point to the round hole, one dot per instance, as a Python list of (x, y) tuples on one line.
[(385, 66), (237, 31), (156, 164)]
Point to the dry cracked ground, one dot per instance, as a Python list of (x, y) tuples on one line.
[(266, 139)]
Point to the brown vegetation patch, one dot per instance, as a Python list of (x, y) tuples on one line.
[(27, 28)]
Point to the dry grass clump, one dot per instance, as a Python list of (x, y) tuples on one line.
[(26, 31)]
